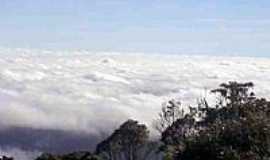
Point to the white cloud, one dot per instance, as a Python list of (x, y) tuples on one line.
[(89, 92)]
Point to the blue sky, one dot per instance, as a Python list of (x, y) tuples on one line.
[(217, 27)]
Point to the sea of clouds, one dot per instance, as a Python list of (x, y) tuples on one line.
[(64, 101)]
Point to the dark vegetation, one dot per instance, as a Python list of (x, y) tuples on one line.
[(236, 127), (71, 156), (6, 158)]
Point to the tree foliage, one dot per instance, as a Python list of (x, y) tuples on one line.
[(237, 127), (170, 112), (125, 142), (71, 156)]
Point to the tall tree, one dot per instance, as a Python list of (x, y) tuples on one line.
[(237, 127), (125, 143)]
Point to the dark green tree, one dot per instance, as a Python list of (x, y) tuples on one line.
[(125, 143), (237, 127)]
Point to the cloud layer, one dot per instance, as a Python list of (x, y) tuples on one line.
[(92, 93)]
